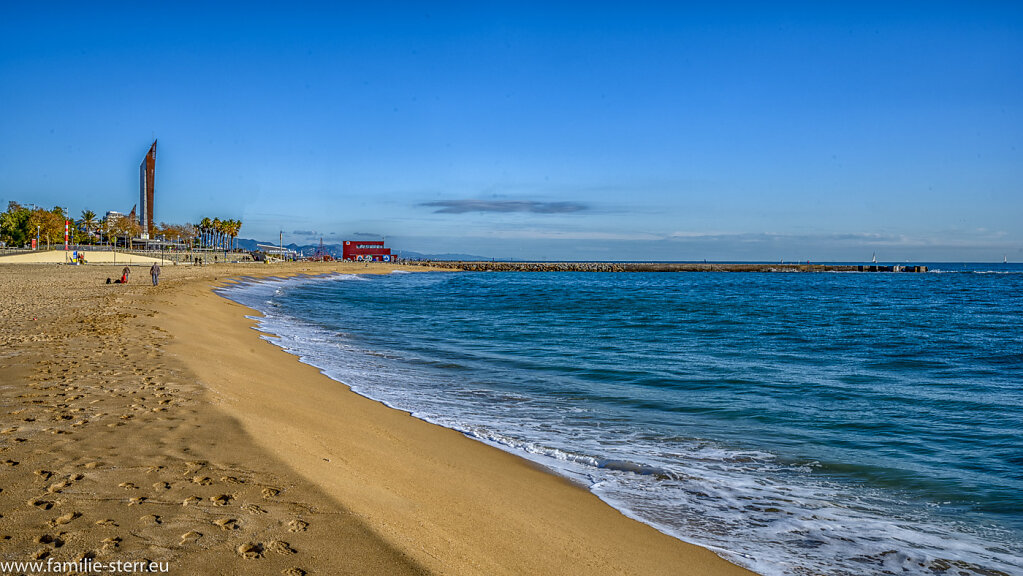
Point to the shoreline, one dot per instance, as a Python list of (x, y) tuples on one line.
[(416, 497), (440, 470), (496, 266)]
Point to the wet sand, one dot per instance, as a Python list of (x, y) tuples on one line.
[(152, 423)]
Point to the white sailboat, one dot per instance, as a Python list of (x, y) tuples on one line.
[(874, 259)]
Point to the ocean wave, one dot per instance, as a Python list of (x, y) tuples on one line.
[(775, 516)]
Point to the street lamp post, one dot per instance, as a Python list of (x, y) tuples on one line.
[(37, 236)]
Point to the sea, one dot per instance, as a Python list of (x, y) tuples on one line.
[(794, 423)]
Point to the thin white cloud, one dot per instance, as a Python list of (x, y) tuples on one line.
[(503, 206), (570, 235)]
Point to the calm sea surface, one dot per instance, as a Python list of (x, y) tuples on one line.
[(794, 423)]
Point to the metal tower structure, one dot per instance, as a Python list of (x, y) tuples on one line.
[(147, 188)]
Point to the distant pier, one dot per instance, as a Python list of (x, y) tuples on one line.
[(658, 267)]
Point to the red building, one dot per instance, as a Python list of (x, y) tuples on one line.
[(365, 251)]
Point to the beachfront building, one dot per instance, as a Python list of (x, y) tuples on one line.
[(365, 251), (271, 253), (147, 188)]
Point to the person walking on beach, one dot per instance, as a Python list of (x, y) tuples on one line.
[(155, 272)]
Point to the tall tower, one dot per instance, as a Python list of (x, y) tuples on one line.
[(147, 173)]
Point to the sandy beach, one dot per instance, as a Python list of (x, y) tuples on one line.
[(153, 424)]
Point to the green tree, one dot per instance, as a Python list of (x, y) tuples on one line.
[(102, 229), (89, 221), (233, 227), (218, 231), (14, 225), (125, 227), (47, 224), (204, 231)]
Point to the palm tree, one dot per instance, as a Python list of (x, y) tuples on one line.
[(228, 234), (236, 226), (89, 220), (204, 230), (218, 227)]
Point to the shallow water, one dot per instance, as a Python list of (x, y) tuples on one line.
[(795, 423)]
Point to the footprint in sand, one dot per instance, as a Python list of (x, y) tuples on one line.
[(9, 430), (111, 543), (253, 509), (222, 499), (227, 523), (191, 501), (55, 541), (65, 519), (136, 500), (151, 519), (293, 572), (40, 554), (127, 486), (280, 547), (202, 480), (162, 486), (89, 555), (39, 503), (10, 462), (106, 522), (152, 469), (44, 474), (190, 536), (57, 487), (250, 550), (297, 526), (270, 493)]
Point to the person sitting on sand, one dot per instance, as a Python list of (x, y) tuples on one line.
[(124, 275)]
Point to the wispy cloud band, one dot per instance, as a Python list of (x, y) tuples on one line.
[(463, 206)]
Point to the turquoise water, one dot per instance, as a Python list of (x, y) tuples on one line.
[(794, 423)]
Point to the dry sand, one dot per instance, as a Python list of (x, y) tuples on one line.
[(91, 257), (153, 423)]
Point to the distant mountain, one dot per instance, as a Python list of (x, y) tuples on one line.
[(336, 250), (303, 249), (248, 244)]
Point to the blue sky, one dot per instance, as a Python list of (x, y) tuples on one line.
[(746, 131)]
